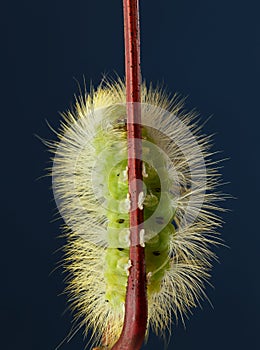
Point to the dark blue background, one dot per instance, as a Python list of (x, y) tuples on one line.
[(208, 50)]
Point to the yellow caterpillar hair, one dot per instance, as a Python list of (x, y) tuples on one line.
[(90, 186)]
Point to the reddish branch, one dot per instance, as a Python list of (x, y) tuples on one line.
[(135, 321)]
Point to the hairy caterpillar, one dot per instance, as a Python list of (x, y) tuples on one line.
[(179, 199)]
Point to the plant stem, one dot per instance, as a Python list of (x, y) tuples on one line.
[(135, 321)]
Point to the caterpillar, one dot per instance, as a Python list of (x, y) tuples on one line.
[(179, 200)]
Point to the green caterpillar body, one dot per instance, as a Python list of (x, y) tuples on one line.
[(157, 249), (90, 183)]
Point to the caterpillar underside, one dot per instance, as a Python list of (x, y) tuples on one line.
[(179, 200)]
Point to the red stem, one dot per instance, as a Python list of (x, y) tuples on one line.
[(135, 321)]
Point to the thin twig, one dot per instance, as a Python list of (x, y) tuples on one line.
[(135, 321)]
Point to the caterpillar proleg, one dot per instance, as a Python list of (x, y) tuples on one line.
[(179, 200)]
